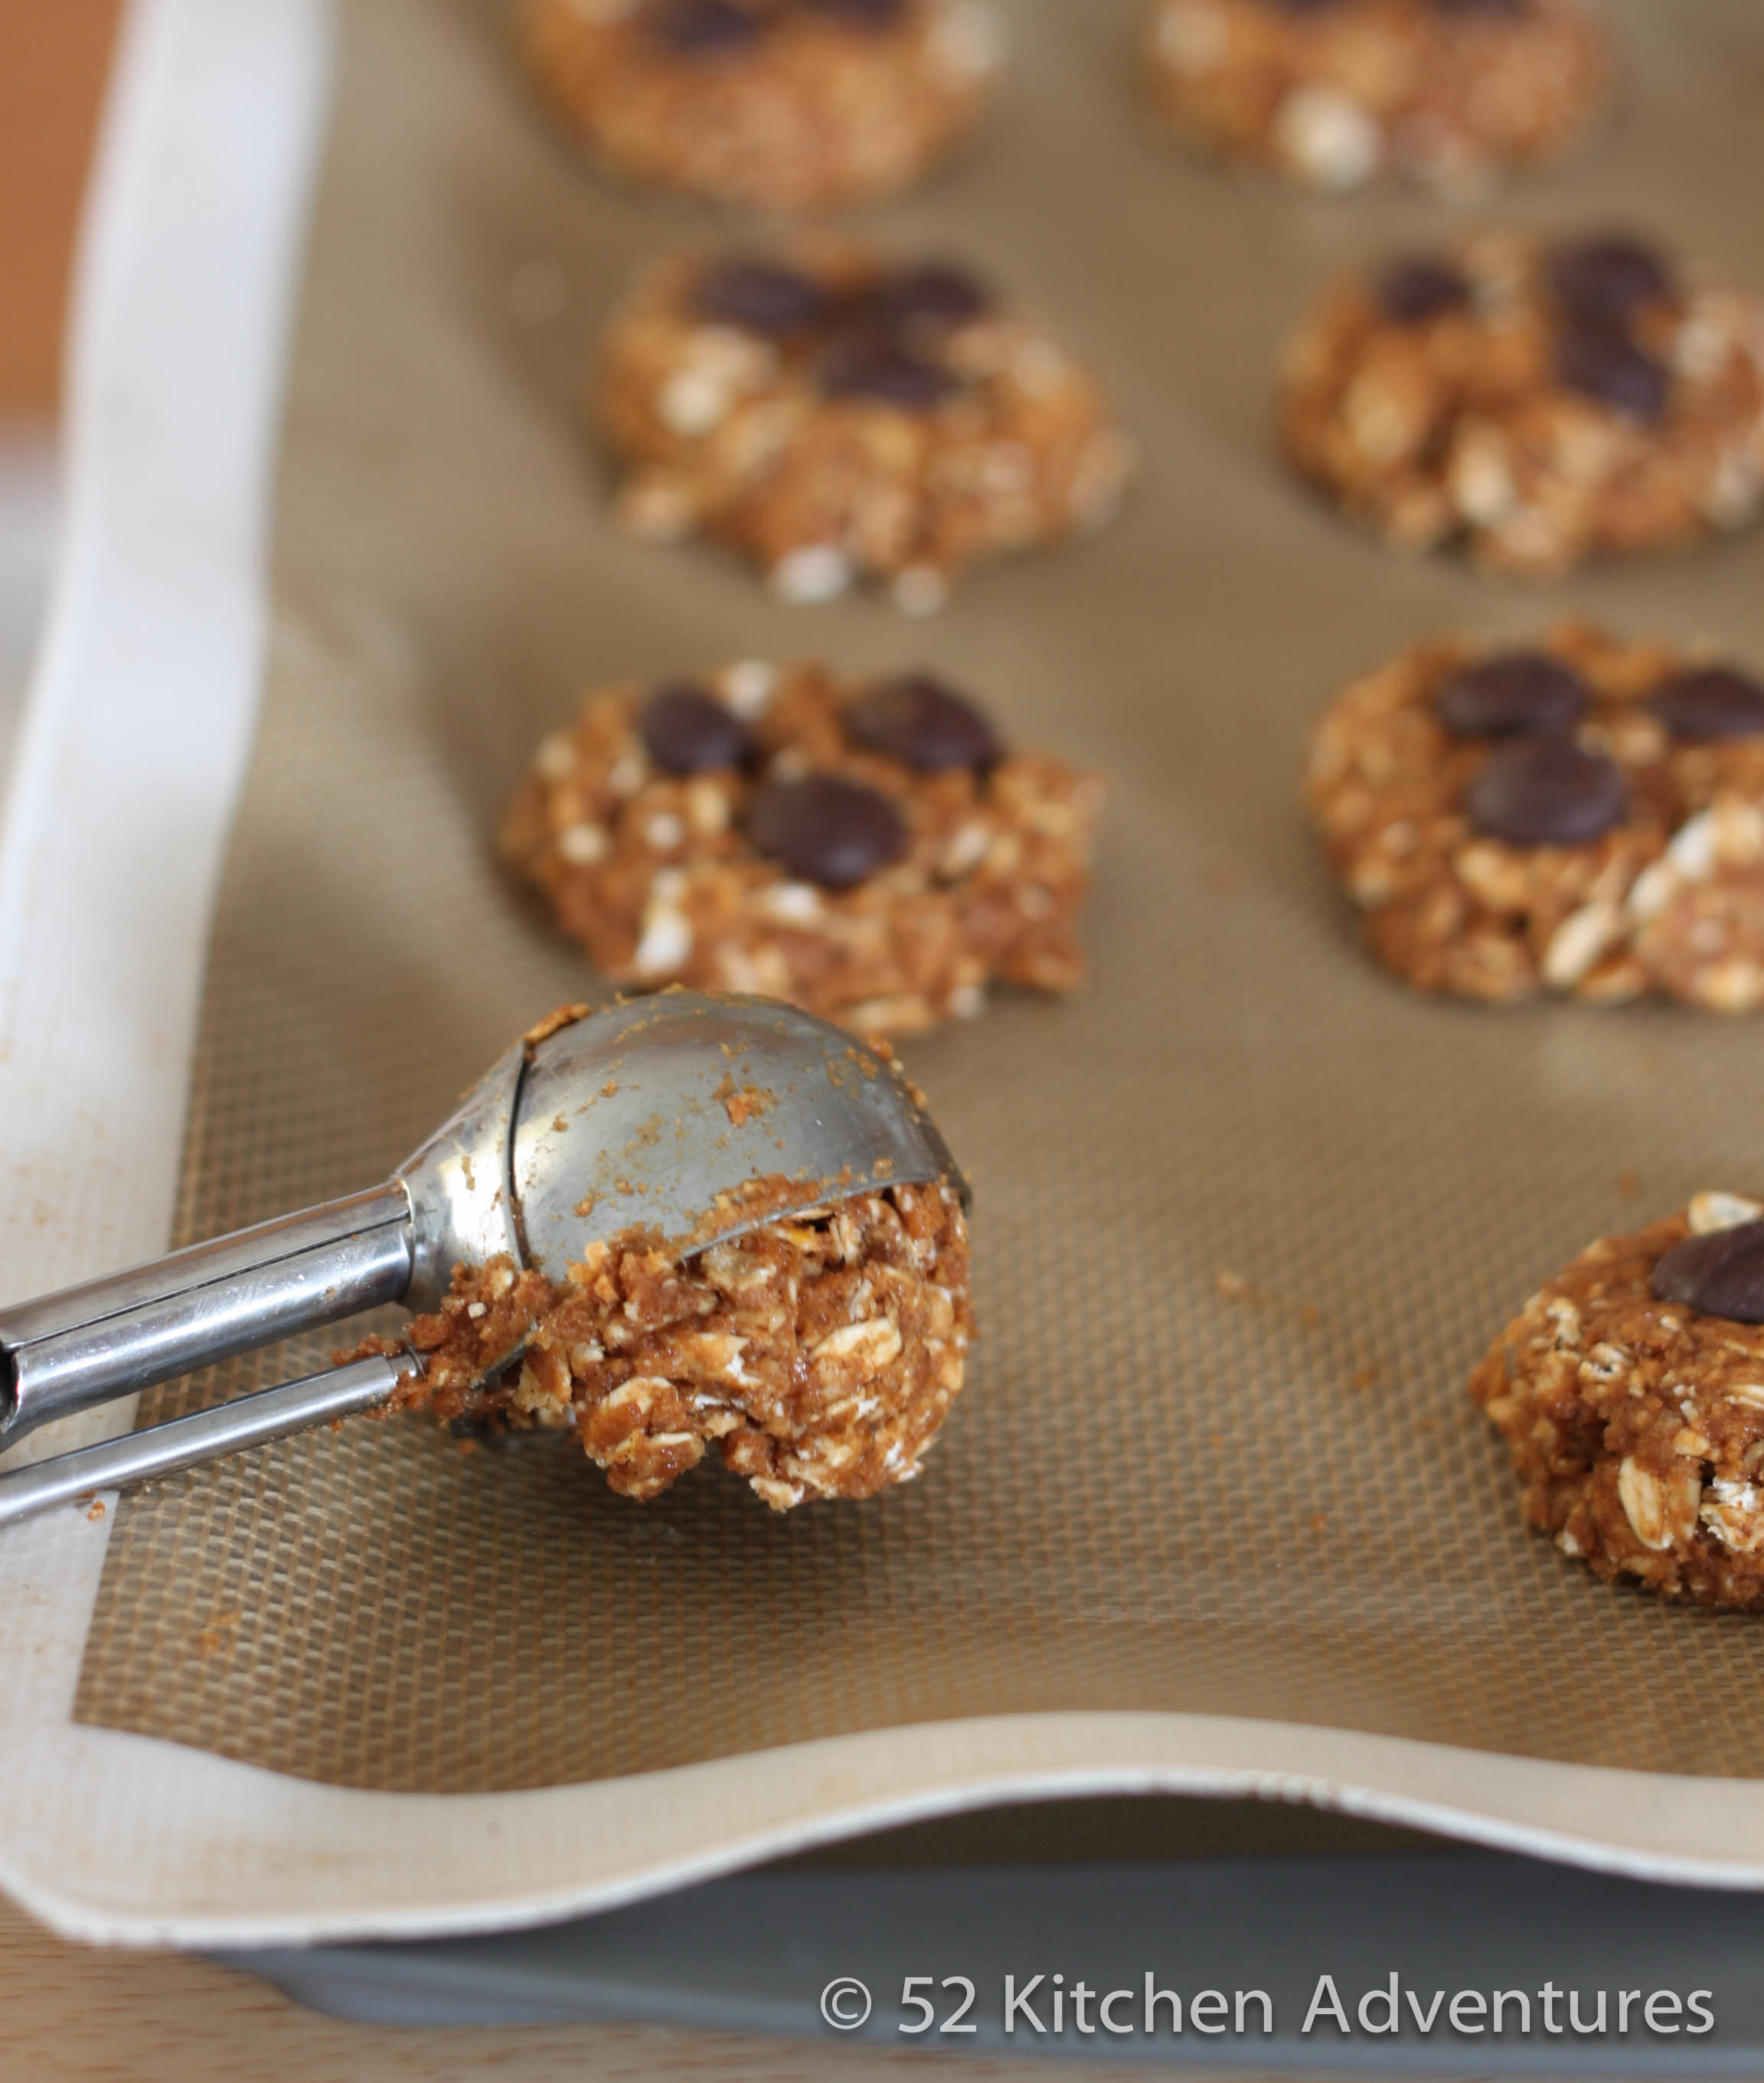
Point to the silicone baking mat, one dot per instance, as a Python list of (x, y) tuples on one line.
[(1247, 1211)]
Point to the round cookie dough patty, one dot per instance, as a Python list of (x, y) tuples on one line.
[(872, 852), (1338, 92), (836, 416), (1538, 403), (786, 104), (1634, 1409), (1585, 816)]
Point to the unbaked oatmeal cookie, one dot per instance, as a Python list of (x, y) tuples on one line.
[(870, 851), (782, 105), (1585, 816), (1538, 403), (836, 416), (1631, 1389), (1336, 93), (818, 1354)]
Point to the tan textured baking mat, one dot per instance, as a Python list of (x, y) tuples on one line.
[(1247, 1211)]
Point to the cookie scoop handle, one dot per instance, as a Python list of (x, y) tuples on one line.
[(204, 1435), (66, 1352)]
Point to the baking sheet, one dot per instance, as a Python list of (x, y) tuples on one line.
[(1247, 1211), (753, 1954)]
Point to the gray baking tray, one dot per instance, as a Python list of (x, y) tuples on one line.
[(1315, 1895)]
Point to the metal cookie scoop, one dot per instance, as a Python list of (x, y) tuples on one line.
[(656, 1113)]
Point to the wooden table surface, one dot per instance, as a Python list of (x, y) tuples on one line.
[(52, 61)]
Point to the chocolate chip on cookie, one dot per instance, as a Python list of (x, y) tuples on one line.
[(1515, 693), (760, 295), (1609, 278), (1421, 286), (702, 28), (936, 293), (825, 830), (688, 731), (880, 369), (1708, 704), (1539, 792), (871, 16), (1721, 1273), (920, 720), (1601, 361)]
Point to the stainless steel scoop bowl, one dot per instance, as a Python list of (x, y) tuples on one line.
[(659, 1111)]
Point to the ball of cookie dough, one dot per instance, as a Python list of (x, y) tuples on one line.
[(818, 1354), (837, 417), (1538, 403), (1335, 93), (1582, 815), (1631, 1389), (783, 104), (872, 852)]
